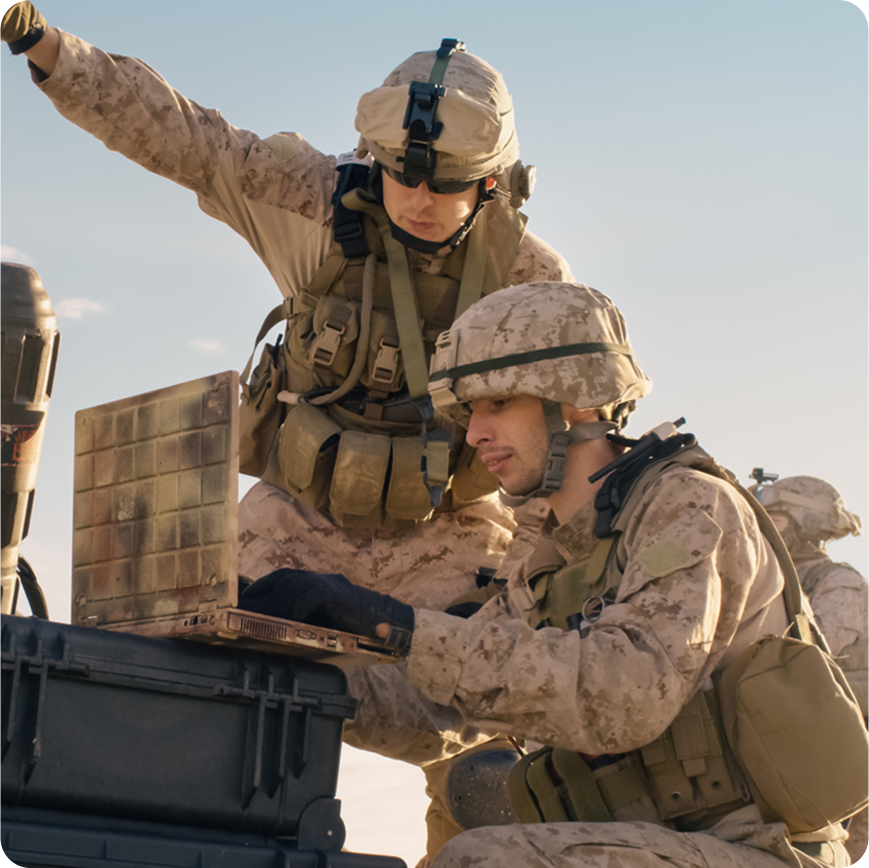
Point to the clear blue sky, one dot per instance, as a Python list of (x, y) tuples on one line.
[(703, 163)]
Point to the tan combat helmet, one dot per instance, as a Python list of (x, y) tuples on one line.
[(817, 509), (445, 116), (562, 342)]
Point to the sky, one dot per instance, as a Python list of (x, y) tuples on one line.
[(702, 163)]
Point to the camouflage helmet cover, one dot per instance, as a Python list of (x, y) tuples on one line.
[(562, 342), (478, 138), (815, 506)]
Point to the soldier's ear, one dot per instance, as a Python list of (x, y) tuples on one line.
[(574, 416)]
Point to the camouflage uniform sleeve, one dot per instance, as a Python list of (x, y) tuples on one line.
[(276, 193), (841, 605), (693, 553), (536, 260), (395, 720)]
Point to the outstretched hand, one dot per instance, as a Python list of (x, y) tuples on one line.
[(330, 600), (22, 24)]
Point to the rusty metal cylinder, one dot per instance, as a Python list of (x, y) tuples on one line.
[(29, 358)]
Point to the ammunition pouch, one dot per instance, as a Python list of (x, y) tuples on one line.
[(260, 411), (686, 776), (366, 325), (365, 478)]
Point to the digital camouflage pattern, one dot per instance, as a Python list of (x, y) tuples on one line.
[(276, 193), (478, 138), (499, 329), (741, 840), (840, 601), (816, 507), (700, 583), (690, 539), (839, 595), (428, 565)]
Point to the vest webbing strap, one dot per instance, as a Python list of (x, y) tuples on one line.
[(565, 592), (361, 356), (474, 272), (273, 317), (404, 302)]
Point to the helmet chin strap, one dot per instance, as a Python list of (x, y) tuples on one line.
[(561, 435)]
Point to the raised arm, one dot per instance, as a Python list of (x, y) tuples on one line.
[(276, 192)]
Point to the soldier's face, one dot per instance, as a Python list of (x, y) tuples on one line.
[(427, 215), (510, 433)]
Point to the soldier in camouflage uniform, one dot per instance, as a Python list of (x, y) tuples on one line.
[(595, 655), (439, 208), (809, 513)]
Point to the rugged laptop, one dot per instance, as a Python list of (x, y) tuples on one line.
[(155, 540)]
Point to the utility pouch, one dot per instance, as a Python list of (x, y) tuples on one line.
[(688, 768), (553, 785), (260, 411), (407, 497), (471, 479), (306, 453), (358, 479), (336, 329), (797, 732)]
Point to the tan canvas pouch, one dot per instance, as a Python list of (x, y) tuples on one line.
[(336, 328), (553, 785), (306, 434), (260, 413), (688, 768), (359, 477), (407, 497), (796, 730)]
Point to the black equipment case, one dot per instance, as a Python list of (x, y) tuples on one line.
[(49, 839), (169, 731)]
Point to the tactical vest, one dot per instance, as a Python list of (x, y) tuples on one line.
[(336, 414), (688, 777), (854, 658)]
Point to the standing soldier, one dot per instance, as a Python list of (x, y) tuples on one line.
[(375, 254), (643, 581), (809, 513)]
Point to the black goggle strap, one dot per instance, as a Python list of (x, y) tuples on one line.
[(420, 118)]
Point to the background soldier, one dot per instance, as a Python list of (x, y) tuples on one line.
[(809, 513), (637, 579), (373, 261)]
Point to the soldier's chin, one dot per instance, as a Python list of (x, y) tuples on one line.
[(522, 488)]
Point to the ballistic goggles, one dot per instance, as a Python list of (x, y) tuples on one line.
[(408, 180)]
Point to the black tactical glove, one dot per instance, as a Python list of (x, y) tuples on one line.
[(330, 600), (22, 27)]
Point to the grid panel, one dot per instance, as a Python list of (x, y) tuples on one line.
[(155, 506)]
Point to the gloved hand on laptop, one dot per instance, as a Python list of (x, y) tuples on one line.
[(331, 600)]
